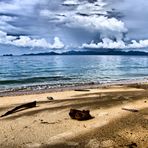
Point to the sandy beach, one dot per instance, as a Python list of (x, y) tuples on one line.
[(49, 124)]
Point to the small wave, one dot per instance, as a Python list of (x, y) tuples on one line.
[(34, 80)]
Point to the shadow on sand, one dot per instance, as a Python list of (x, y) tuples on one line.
[(109, 100)]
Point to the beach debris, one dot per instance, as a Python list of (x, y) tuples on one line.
[(18, 108), (131, 110), (82, 90), (44, 122), (50, 98), (80, 115)]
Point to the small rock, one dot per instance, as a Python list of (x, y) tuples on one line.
[(80, 115), (84, 126), (50, 98)]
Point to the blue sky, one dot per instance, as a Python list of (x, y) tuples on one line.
[(60, 25)]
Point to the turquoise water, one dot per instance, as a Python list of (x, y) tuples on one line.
[(18, 71)]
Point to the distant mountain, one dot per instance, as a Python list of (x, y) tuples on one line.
[(44, 53), (106, 52)]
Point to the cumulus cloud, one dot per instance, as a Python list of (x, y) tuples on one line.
[(4, 39), (119, 44), (25, 41), (106, 26), (89, 15), (138, 44)]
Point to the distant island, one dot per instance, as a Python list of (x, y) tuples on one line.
[(8, 55), (107, 52)]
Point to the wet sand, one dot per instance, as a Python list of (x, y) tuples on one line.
[(49, 125)]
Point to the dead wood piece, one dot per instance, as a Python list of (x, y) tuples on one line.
[(82, 90), (80, 115), (131, 110), (17, 108)]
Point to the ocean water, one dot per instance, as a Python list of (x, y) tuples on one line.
[(22, 71)]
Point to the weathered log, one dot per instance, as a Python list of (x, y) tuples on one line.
[(131, 110), (17, 108), (80, 115)]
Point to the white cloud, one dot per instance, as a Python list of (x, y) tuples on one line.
[(25, 41), (139, 44), (106, 43), (119, 44), (4, 39), (57, 43), (70, 2)]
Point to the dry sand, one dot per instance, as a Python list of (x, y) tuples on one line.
[(49, 125)]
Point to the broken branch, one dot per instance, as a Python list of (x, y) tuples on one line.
[(23, 106)]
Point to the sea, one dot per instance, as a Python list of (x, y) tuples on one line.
[(63, 71)]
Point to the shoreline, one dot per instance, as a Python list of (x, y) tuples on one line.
[(39, 89)]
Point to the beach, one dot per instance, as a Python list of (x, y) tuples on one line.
[(49, 124)]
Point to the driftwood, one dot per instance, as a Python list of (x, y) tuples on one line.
[(17, 108), (80, 115), (82, 90), (131, 110)]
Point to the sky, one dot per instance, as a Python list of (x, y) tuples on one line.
[(32, 26)]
